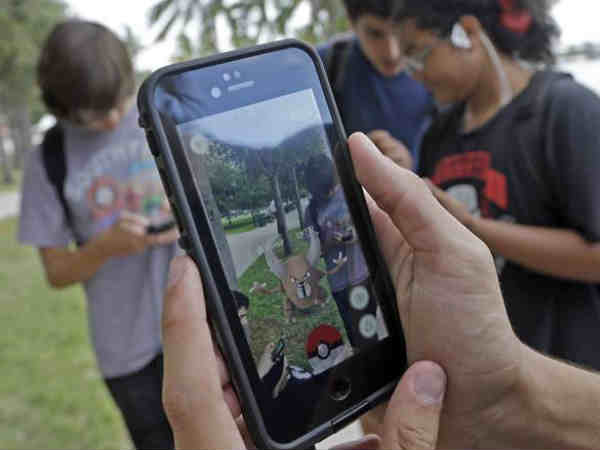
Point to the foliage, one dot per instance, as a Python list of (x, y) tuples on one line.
[(233, 187), (24, 24), (249, 22)]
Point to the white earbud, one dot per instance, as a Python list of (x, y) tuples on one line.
[(459, 37)]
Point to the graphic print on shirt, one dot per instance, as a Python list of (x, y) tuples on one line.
[(117, 179), (471, 179)]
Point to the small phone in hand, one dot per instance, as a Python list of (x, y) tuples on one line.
[(161, 227), (243, 137)]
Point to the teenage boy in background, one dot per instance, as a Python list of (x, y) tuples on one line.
[(93, 182), (372, 90)]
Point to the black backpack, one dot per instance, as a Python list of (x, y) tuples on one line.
[(55, 164)]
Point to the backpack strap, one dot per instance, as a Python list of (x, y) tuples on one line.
[(336, 61), (55, 163)]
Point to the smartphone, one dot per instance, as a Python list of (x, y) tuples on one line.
[(253, 156), (161, 227)]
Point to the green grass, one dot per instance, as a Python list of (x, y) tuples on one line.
[(51, 393), (240, 229), (267, 323), (14, 186), (239, 224)]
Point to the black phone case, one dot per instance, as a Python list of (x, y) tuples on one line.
[(178, 188)]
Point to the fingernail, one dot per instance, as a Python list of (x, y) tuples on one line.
[(178, 267), (430, 385)]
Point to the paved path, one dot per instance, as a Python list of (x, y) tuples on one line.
[(247, 247), (9, 204)]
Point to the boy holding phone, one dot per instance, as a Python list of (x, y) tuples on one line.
[(108, 198), (373, 92)]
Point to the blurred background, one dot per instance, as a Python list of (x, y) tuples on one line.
[(51, 394)]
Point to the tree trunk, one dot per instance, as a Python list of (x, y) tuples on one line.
[(297, 199), (202, 180), (282, 228), (20, 123), (7, 177)]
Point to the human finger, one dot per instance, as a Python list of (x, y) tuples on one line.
[(403, 196), (192, 384), (132, 228), (138, 219), (391, 241), (166, 237), (413, 416), (377, 135), (229, 393)]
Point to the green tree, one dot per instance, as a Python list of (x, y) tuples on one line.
[(250, 21), (24, 24), (169, 13)]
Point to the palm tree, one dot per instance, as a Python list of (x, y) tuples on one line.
[(184, 12), (249, 21)]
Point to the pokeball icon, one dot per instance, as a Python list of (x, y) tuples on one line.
[(325, 348)]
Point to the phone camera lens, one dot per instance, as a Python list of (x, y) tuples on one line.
[(215, 92)]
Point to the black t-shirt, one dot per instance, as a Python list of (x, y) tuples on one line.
[(537, 163)]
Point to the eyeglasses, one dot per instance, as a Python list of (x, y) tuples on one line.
[(418, 62)]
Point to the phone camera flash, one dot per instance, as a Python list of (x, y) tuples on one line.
[(215, 92)]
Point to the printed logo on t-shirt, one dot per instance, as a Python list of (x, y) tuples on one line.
[(117, 179), (471, 179)]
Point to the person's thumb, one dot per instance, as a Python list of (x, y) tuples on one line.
[(413, 415), (192, 393), (406, 199)]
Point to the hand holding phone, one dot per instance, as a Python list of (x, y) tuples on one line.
[(448, 292), (239, 134), (193, 367)]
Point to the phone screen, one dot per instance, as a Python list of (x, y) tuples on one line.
[(259, 137)]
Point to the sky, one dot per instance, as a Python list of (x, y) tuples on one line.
[(577, 18), (264, 124)]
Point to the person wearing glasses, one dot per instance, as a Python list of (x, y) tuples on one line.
[(471, 382), (111, 193), (373, 92), (514, 157)]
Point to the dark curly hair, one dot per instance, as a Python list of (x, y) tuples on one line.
[(520, 28), (386, 9)]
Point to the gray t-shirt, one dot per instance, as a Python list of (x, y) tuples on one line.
[(107, 172)]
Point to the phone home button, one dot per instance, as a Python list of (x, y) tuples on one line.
[(340, 389)]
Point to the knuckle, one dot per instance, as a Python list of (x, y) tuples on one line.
[(414, 437)]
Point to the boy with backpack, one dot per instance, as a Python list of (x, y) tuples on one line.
[(93, 182), (372, 90)]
